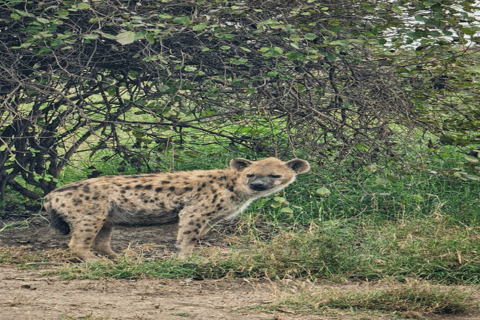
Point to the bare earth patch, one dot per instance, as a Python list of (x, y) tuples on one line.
[(26, 294)]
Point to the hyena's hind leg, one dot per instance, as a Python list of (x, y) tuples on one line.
[(85, 232), (101, 244)]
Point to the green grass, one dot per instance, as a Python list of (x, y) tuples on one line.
[(431, 248), (410, 300)]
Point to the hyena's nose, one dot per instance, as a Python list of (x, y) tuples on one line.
[(258, 185)]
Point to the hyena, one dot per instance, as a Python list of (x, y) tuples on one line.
[(198, 200)]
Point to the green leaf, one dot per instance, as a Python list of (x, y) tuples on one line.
[(292, 55), (310, 36), (15, 16), (382, 41), (418, 198), (286, 210), (323, 191), (182, 20), (83, 5), (62, 13), (397, 10), (126, 37), (91, 36), (382, 181), (471, 159), (43, 20), (468, 31), (200, 26), (140, 34), (165, 16), (151, 38)]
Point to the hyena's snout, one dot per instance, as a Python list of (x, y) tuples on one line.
[(259, 184)]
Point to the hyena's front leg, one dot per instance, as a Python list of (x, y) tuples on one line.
[(191, 223)]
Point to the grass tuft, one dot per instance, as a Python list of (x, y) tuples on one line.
[(412, 299)]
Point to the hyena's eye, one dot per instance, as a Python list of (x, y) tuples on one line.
[(250, 175), (275, 176)]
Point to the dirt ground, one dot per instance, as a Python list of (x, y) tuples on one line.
[(26, 294)]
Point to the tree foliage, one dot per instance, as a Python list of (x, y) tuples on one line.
[(267, 76)]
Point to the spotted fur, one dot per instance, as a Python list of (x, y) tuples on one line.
[(197, 200)]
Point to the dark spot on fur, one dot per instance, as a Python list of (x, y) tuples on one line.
[(77, 202), (198, 225), (196, 231), (187, 189), (87, 198), (211, 181), (62, 205), (214, 198), (145, 201), (201, 176), (209, 214), (192, 216), (230, 188), (148, 187), (191, 223), (122, 191), (69, 194), (88, 238), (187, 232), (127, 188), (138, 186), (56, 200), (94, 198), (165, 182), (172, 188), (88, 230), (222, 178), (86, 189), (158, 189)]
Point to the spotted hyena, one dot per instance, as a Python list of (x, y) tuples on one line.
[(196, 199)]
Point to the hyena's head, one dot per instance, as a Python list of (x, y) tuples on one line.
[(264, 177)]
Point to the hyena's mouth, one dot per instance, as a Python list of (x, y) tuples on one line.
[(258, 187)]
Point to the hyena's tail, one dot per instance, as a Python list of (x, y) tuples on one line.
[(58, 222)]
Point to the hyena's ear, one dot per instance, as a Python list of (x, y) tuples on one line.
[(239, 164), (298, 165)]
